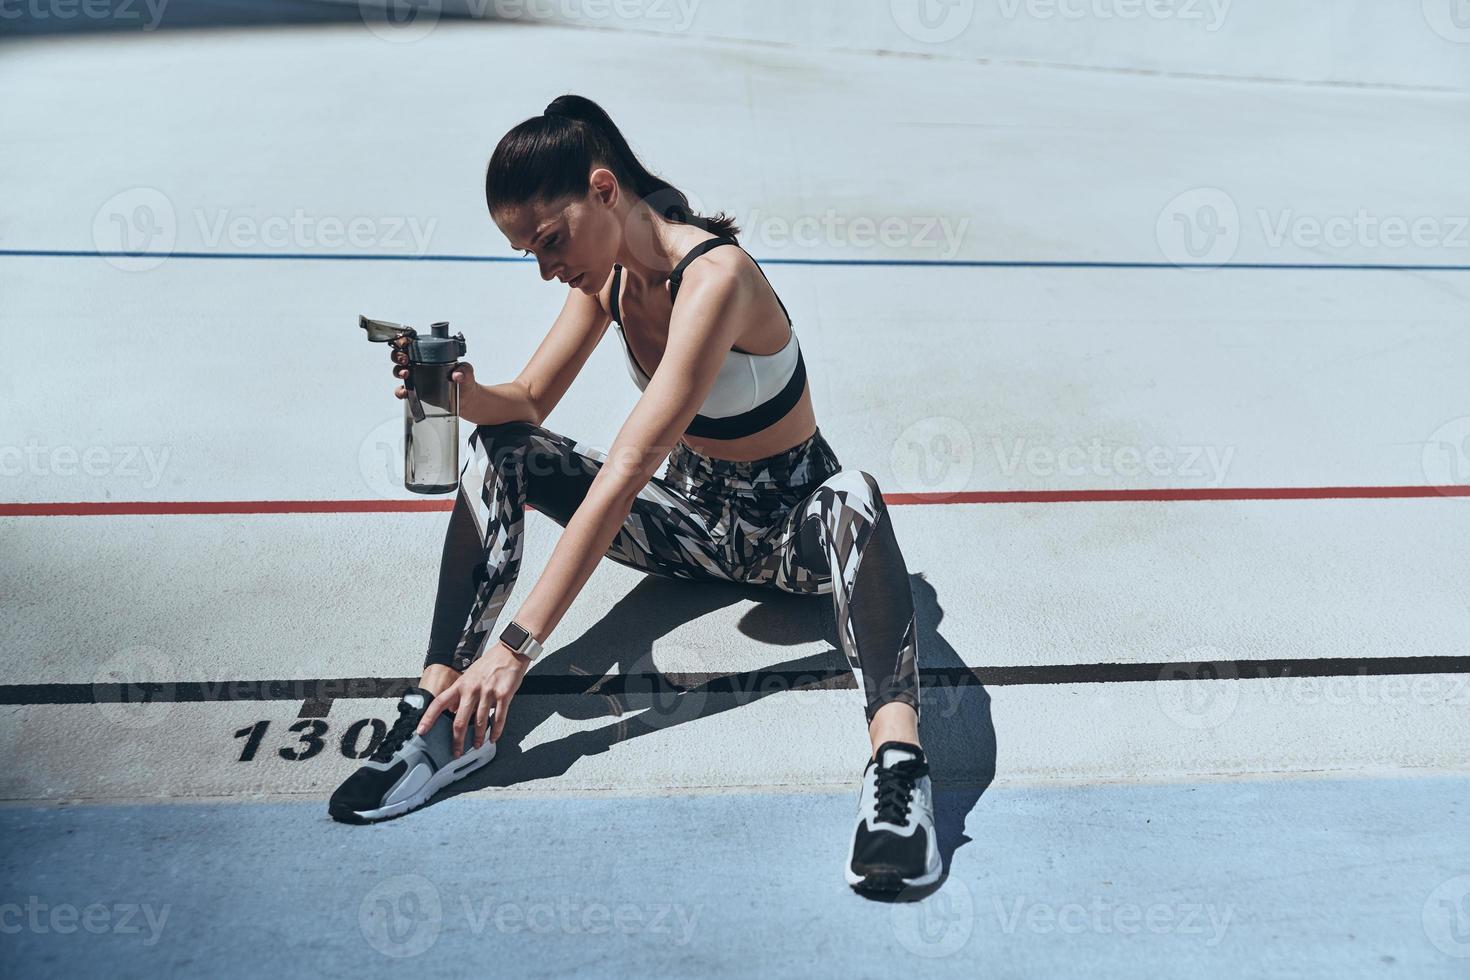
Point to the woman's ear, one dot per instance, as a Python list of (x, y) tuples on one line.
[(604, 185)]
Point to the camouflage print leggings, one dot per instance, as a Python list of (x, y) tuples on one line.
[(785, 522)]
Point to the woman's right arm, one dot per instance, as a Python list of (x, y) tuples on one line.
[(545, 378)]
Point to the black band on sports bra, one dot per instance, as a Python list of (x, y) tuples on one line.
[(617, 284), (677, 276), (758, 418)]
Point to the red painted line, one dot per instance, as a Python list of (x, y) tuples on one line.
[(1166, 494), (186, 507), (182, 507)]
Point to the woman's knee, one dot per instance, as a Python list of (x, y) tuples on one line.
[(858, 489), (503, 432), (506, 440)]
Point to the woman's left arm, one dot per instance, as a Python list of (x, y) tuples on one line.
[(703, 327)]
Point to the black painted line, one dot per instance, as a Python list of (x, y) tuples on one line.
[(326, 690), (315, 707)]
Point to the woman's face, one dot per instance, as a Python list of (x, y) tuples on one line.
[(575, 239)]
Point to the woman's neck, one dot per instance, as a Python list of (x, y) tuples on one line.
[(654, 245)]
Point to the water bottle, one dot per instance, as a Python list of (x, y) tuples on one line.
[(431, 408)]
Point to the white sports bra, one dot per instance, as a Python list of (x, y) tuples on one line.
[(752, 391)]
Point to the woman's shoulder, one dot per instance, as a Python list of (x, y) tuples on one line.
[(717, 259)]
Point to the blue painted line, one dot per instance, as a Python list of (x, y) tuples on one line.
[(888, 263)]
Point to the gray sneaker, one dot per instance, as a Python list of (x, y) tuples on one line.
[(406, 770), (894, 846)]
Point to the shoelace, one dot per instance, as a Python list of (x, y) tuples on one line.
[(408, 720), (895, 790)]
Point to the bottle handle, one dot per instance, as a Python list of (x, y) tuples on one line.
[(381, 332), (415, 407)]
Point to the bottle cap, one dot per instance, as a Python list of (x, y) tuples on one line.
[(438, 347)]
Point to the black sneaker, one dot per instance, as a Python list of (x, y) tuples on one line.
[(894, 846), (405, 770)]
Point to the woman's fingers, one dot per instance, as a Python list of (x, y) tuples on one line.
[(447, 699), (501, 706), (463, 715), (482, 722), (399, 355)]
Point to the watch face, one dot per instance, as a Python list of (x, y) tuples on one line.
[(515, 636)]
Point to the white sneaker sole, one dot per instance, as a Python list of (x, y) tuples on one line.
[(455, 771)]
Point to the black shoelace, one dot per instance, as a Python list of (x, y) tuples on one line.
[(408, 720), (895, 790)]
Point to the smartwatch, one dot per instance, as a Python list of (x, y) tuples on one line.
[(520, 640)]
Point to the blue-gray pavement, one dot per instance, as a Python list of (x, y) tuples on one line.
[(1304, 877)]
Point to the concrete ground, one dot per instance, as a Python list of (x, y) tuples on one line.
[(1187, 542)]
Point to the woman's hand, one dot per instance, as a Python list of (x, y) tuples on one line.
[(464, 373), (487, 684)]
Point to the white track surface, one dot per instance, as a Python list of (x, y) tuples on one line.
[(248, 380), (1271, 378)]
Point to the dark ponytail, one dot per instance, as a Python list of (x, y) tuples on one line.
[(548, 157)]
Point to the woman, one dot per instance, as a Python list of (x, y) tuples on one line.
[(752, 491)]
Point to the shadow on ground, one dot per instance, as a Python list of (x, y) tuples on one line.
[(616, 659)]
